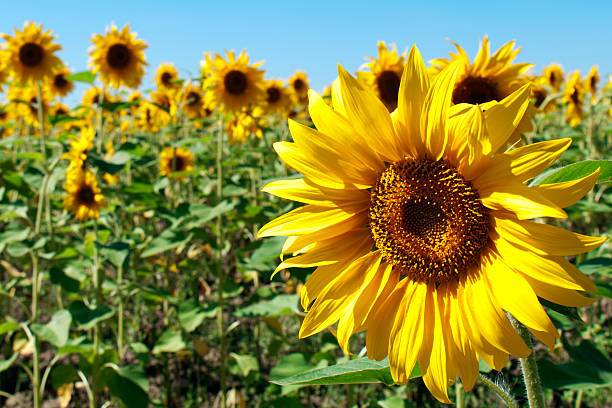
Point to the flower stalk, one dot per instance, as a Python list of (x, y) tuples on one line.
[(529, 367)]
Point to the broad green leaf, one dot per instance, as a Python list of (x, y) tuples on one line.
[(589, 368), (117, 106), (284, 304), (6, 364), (116, 252), (604, 290), (166, 240), (87, 317), (362, 370), (12, 235), (575, 171), (269, 250), (245, 364), (83, 76), (36, 156), (200, 214), (58, 277), (128, 384), (289, 365), (600, 266), (111, 166), (191, 315), (8, 327), (57, 330), (563, 317), (170, 341), (63, 374)]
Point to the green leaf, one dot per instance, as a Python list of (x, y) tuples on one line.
[(168, 239), (63, 374), (285, 304), (87, 317), (603, 289), (245, 364), (8, 327), (191, 315), (36, 156), (575, 171), (269, 250), (116, 252), (589, 368), (9, 236), (289, 365), (6, 364), (128, 384), (58, 277), (200, 214), (170, 341), (361, 370), (111, 166), (83, 76), (563, 317), (57, 330), (600, 266), (116, 106)]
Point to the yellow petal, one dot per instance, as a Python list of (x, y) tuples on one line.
[(304, 191), (567, 193), (520, 200), (545, 239), (466, 359), (504, 116), (558, 295)]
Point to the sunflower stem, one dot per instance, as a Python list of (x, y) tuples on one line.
[(41, 122), (533, 384), (459, 395), (503, 394), (98, 294), (220, 271)]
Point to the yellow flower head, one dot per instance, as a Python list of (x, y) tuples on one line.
[(59, 109), (233, 84), (93, 96), (241, 127), (4, 74), (278, 99), (298, 84), (27, 107), (83, 197), (573, 98), (554, 76), (150, 117), (175, 160), (118, 56), (79, 146), (59, 85), (30, 54), (165, 76), (592, 80), (193, 101), (110, 151), (420, 226), (5, 119), (383, 74)]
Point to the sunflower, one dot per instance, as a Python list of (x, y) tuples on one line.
[(26, 103), (573, 99), (110, 151), (60, 86), (163, 99), (419, 226), (241, 127), (233, 84), (175, 160), (298, 84), (3, 69), (83, 197), (592, 80), (5, 119), (277, 98), (150, 117), (94, 96), (383, 74), (554, 76), (30, 54), (79, 146), (193, 101), (118, 57), (58, 109), (488, 78), (166, 76)]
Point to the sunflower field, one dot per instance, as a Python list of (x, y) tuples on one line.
[(418, 234)]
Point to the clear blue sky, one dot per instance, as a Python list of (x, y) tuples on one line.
[(315, 35)]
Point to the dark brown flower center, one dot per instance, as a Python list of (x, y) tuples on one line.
[(539, 95), (298, 84), (552, 78), (85, 195), (575, 97), (235, 82), (388, 83), (193, 98), (428, 221), (476, 90), (31, 54), (593, 83), (166, 78), (177, 164), (60, 82), (61, 111), (118, 56), (273, 94)]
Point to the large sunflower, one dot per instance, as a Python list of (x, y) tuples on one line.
[(59, 84), (83, 197), (573, 98), (30, 54), (175, 160), (118, 57), (488, 79), (420, 229), (166, 76), (233, 84), (383, 74)]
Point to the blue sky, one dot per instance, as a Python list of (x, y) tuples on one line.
[(316, 35)]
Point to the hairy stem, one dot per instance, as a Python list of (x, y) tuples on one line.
[(533, 384), (503, 394)]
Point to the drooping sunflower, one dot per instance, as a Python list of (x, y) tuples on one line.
[(277, 98), (79, 146), (59, 85), (554, 76), (93, 96), (489, 79), (298, 84), (175, 160), (383, 74), (166, 76), (573, 98), (193, 101), (118, 56), (241, 127), (30, 54), (592, 80), (233, 84), (419, 226), (83, 197)]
